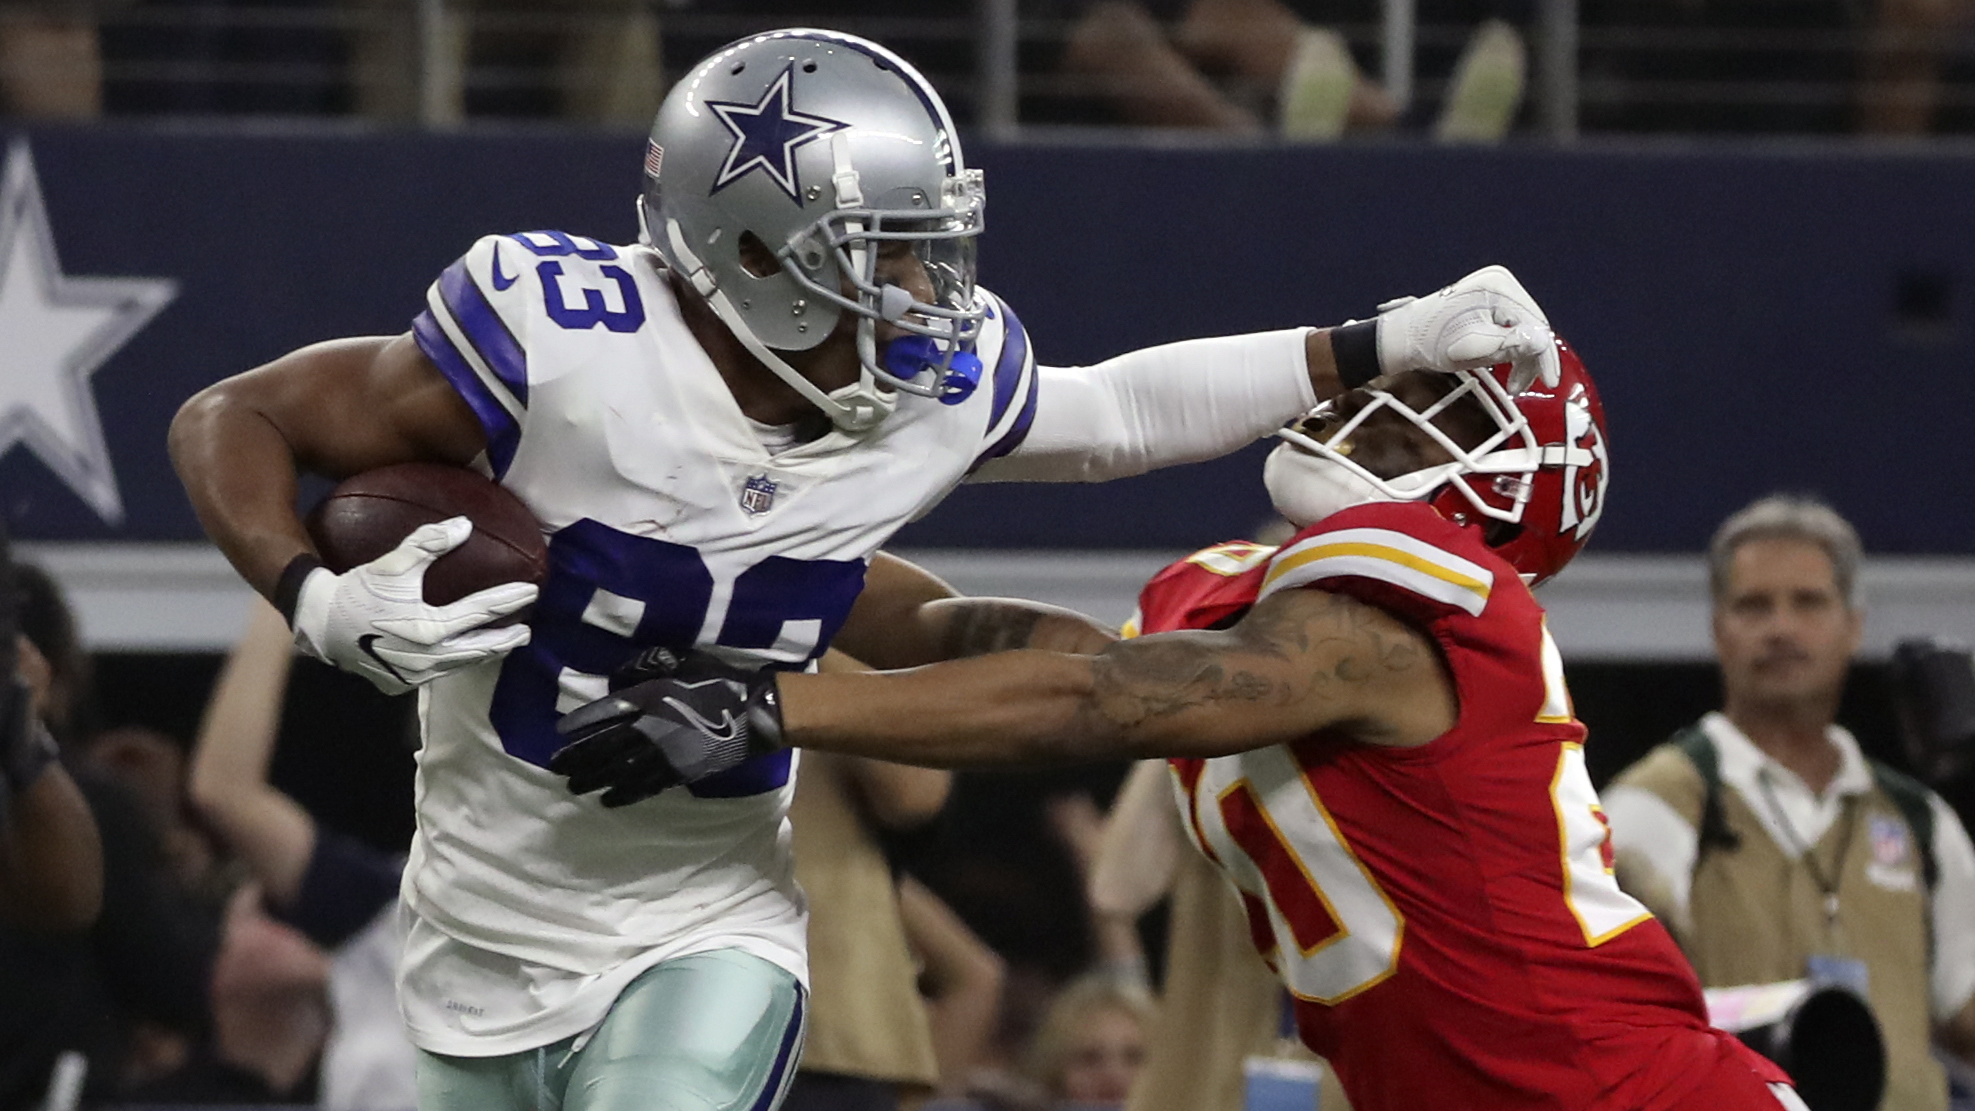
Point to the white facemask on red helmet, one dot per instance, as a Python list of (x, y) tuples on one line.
[(1536, 485)]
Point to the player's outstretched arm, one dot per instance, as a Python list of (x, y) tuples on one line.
[(1200, 399), (332, 409), (1301, 661), (907, 616)]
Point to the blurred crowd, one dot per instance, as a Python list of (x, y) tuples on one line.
[(1305, 70), (1026, 942)]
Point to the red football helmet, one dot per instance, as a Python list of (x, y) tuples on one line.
[(1535, 486)]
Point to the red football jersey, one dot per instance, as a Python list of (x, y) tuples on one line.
[(1445, 916)]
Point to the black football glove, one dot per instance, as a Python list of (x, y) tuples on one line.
[(668, 720)]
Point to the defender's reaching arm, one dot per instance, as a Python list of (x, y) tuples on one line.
[(907, 616), (1301, 661)]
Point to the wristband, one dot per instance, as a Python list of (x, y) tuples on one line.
[(1354, 347), (764, 716), (288, 588)]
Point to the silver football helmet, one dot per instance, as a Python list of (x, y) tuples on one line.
[(822, 146)]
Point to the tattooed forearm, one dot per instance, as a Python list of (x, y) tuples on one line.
[(1298, 663), (977, 628), (1362, 637), (1317, 656), (1138, 680)]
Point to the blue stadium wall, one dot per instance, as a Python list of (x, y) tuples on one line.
[(1757, 318)]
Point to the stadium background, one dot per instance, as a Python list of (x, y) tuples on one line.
[(1761, 315)]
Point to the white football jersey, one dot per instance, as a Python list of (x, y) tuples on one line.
[(668, 523)]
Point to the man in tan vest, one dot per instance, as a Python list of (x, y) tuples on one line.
[(1770, 845)]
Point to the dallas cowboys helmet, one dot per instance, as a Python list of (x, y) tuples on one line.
[(821, 145)]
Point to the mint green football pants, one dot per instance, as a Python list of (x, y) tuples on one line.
[(716, 1031)]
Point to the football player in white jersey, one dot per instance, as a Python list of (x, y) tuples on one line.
[(717, 428)]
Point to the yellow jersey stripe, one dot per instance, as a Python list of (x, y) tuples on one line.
[(1304, 556)]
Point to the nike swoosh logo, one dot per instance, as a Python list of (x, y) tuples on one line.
[(365, 645), (727, 729), (500, 282)]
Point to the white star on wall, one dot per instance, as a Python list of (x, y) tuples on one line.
[(55, 331)]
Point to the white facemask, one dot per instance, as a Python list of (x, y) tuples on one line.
[(1307, 488)]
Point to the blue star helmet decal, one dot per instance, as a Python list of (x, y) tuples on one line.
[(766, 135)]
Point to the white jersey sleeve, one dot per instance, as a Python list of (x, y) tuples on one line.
[(481, 311), (1156, 407)]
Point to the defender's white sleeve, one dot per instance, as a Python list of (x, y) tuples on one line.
[(1176, 403)]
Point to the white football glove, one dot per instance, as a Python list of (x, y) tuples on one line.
[(373, 619), (1484, 319)]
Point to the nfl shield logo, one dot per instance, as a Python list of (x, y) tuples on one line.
[(758, 496), (1890, 842)]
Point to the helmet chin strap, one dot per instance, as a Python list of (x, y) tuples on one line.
[(854, 408), (1306, 488)]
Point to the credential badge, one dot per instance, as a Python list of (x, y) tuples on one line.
[(758, 496), (1890, 844)]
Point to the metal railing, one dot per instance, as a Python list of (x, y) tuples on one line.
[(1592, 65)]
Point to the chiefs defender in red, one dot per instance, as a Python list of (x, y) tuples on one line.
[(1371, 736)]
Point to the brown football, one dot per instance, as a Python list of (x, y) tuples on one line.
[(370, 513)]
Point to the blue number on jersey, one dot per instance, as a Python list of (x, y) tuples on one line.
[(610, 594), (594, 311), (561, 244), (777, 591)]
